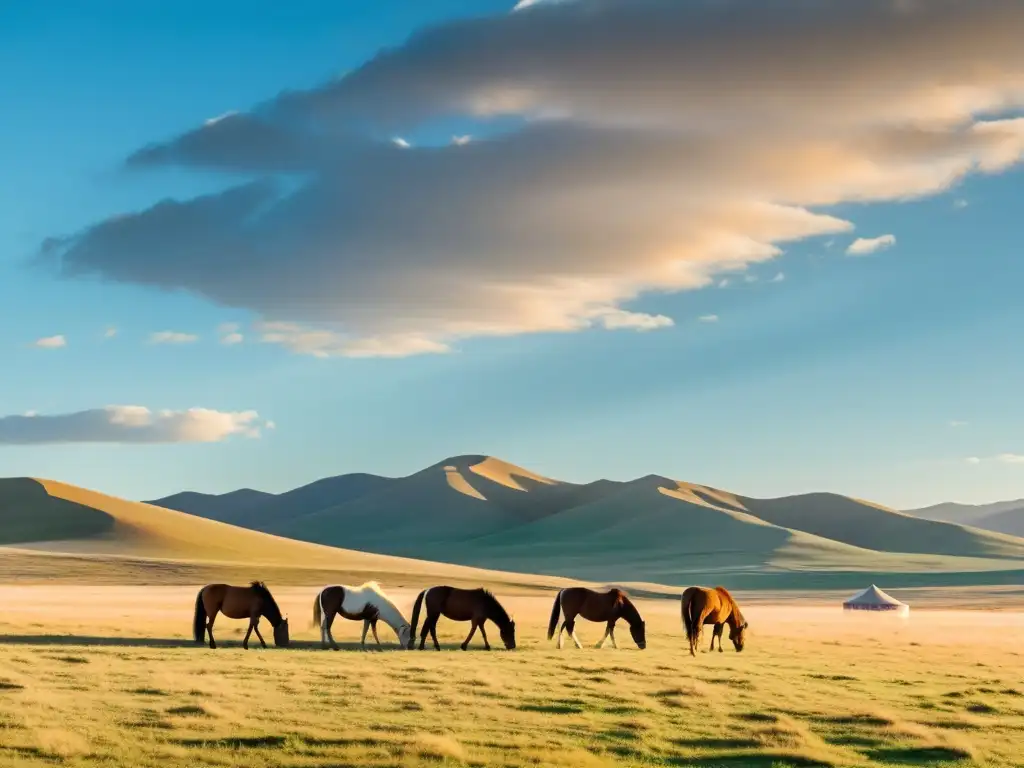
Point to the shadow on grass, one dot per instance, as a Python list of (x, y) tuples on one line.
[(748, 760), (163, 642), (918, 755)]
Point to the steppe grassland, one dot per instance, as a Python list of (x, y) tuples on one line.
[(108, 676)]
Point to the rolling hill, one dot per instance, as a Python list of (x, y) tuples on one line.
[(51, 530), (482, 511), (1001, 516)]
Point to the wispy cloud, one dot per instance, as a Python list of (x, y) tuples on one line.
[(708, 319), (51, 342), (867, 245), (960, 204), (110, 333), (172, 337), (1001, 458), (600, 193), (128, 424), (618, 319), (779, 277), (230, 339), (954, 423), (400, 142), (461, 141)]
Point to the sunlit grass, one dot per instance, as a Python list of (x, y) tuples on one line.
[(813, 688)]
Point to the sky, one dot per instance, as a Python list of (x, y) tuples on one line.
[(768, 246)]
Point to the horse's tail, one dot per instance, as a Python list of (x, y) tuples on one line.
[(556, 611), (199, 619), (416, 616), (685, 605), (318, 611)]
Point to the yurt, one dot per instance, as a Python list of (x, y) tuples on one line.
[(874, 599)]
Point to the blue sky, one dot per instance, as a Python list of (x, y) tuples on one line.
[(894, 376)]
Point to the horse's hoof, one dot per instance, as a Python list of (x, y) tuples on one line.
[(463, 646)]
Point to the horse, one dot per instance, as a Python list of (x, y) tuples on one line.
[(366, 603), (701, 606), (475, 605), (250, 603), (607, 606)]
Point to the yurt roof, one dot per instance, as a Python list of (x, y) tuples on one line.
[(873, 596)]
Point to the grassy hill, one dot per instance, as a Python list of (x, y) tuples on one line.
[(53, 530), (481, 511)]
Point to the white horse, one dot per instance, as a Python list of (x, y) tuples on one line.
[(365, 603)]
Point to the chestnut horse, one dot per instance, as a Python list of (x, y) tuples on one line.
[(475, 605), (250, 603), (701, 606), (607, 606), (366, 603)]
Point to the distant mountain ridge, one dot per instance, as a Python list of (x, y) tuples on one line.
[(482, 511), (1001, 516)]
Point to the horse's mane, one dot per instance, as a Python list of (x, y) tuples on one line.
[(626, 603), (261, 589), (372, 585), (732, 603), (493, 603)]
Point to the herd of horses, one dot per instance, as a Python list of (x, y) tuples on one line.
[(700, 606)]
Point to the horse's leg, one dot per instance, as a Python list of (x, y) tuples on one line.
[(209, 628), (611, 634), (366, 628), (256, 627), (571, 625), (717, 633), (433, 632), (424, 632), (328, 624), (373, 628), (245, 641), (607, 631), (561, 632), (483, 634), (472, 631)]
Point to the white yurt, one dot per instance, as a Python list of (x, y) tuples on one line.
[(874, 599)]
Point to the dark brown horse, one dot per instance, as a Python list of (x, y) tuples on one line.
[(701, 606), (250, 603), (607, 606), (475, 605)]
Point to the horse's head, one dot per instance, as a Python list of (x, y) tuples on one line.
[(639, 632), (737, 635), (404, 635), (281, 638), (508, 636)]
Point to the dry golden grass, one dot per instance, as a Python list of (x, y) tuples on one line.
[(106, 676)]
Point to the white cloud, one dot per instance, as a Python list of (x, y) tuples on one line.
[(228, 327), (1010, 458), (269, 425), (231, 339), (51, 342), (1002, 458), (110, 333), (954, 423), (708, 318), (750, 278), (867, 245), (724, 282), (400, 142), (616, 319), (172, 337), (461, 141), (128, 424), (960, 204), (779, 277), (753, 119)]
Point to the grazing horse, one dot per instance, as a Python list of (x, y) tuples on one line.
[(367, 603), (238, 603), (475, 605), (607, 606), (701, 606)]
